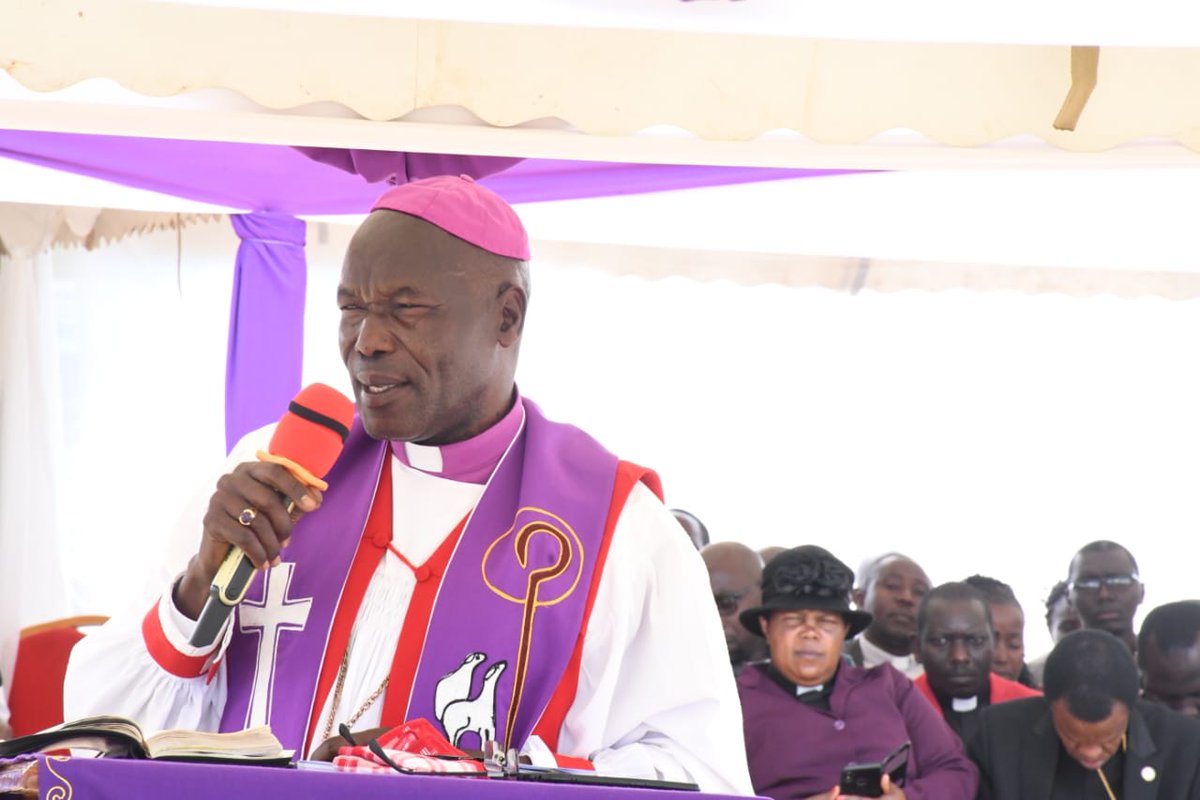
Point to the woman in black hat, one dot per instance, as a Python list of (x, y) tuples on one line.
[(807, 714)]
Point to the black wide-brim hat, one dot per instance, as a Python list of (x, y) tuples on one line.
[(802, 578)]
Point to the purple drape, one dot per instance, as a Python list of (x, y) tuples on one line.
[(265, 344), (380, 165), (313, 180), (266, 322)]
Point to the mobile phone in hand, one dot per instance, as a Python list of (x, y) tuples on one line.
[(866, 780)]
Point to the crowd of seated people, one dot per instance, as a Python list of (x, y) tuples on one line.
[(807, 711), (855, 668)]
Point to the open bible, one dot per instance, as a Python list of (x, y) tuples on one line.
[(118, 737)]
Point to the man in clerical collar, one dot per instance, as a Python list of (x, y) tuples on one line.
[(1090, 737), (1169, 655), (735, 574), (955, 643), (1105, 589), (890, 588)]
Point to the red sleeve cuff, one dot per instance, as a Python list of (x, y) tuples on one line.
[(166, 654)]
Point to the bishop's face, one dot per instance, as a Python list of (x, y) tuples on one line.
[(423, 331)]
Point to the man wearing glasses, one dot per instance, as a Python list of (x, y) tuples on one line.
[(735, 574), (1105, 589)]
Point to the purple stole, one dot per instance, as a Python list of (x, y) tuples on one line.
[(508, 612)]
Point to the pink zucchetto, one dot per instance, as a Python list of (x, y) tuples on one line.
[(460, 206)]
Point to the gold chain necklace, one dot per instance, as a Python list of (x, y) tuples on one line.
[(1103, 778), (341, 678), (337, 698)]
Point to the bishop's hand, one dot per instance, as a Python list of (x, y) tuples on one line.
[(329, 748), (249, 510)]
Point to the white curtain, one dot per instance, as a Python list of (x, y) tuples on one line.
[(141, 337), (981, 432), (33, 588)]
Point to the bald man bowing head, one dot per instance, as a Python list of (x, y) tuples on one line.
[(465, 540)]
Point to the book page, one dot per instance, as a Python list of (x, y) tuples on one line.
[(258, 742)]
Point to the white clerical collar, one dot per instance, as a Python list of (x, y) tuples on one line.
[(964, 704), (472, 460), (801, 690), (874, 655), (426, 458)]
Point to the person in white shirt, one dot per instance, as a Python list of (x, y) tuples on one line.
[(890, 589)]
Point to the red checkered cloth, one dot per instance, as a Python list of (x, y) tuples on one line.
[(412, 746), (361, 759), (421, 737)]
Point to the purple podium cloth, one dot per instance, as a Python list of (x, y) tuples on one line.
[(116, 779)]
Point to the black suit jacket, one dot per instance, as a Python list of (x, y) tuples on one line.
[(1017, 751)]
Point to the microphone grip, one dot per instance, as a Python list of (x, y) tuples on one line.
[(227, 590)]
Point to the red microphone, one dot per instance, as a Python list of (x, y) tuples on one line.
[(307, 442)]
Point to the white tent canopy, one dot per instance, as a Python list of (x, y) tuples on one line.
[(1098, 22), (797, 83), (925, 84)]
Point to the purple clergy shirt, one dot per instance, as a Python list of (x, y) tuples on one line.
[(472, 460), (796, 750)]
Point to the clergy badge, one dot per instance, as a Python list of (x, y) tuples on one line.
[(1148, 774)]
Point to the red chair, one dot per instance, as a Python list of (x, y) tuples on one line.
[(35, 696)]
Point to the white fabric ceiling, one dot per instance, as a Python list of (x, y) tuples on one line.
[(765, 82), (795, 83), (1099, 22)]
